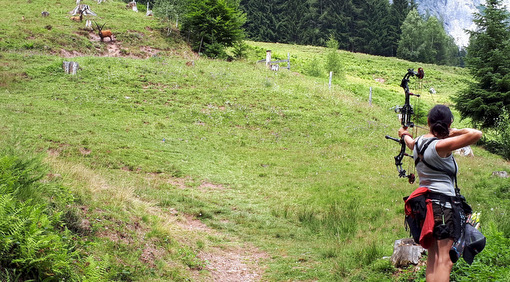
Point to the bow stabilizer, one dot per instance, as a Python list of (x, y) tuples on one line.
[(405, 112)]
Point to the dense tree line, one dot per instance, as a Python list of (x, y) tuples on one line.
[(368, 26), (375, 27)]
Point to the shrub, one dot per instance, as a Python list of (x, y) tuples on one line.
[(313, 68), (240, 50), (333, 58), (29, 242)]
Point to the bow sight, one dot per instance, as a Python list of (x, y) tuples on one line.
[(405, 111)]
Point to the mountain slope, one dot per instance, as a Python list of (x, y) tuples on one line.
[(457, 15)]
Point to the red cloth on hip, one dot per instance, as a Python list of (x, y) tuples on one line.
[(426, 236), (427, 227)]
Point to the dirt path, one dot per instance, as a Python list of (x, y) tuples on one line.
[(235, 261), (225, 258)]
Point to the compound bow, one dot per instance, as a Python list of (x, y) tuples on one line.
[(406, 111)]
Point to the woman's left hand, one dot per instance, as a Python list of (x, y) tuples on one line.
[(409, 142), (402, 131)]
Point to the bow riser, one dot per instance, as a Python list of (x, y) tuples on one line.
[(406, 111)]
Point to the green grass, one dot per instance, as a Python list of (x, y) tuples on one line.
[(299, 170)]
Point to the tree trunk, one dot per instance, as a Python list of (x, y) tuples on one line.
[(406, 252)]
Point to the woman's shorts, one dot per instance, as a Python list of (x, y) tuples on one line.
[(444, 227)]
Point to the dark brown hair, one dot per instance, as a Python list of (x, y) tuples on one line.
[(440, 119)]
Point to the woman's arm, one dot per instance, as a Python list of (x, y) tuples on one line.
[(408, 138), (457, 139)]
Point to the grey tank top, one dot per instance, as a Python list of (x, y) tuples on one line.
[(436, 181)]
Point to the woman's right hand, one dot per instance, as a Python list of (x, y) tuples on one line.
[(454, 132), (457, 139)]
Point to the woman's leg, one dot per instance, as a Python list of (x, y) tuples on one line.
[(439, 264)]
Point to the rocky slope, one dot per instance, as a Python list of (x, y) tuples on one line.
[(457, 15)]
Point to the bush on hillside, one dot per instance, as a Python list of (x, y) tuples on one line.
[(333, 62), (313, 67)]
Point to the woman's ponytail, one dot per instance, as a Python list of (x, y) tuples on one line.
[(440, 129), (440, 118)]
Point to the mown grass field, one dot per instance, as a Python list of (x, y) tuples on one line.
[(177, 166)]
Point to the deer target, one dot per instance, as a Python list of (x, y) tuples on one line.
[(103, 33)]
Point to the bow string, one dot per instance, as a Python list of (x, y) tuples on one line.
[(406, 112)]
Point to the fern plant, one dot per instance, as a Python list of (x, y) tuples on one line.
[(29, 242), (33, 244)]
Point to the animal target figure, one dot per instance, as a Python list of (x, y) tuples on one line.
[(78, 18), (104, 33)]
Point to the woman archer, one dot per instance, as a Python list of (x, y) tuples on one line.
[(437, 171)]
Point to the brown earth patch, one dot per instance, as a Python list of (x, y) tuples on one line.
[(179, 182), (113, 49), (149, 51), (204, 185), (69, 54), (192, 224), (210, 186), (159, 86), (228, 260), (85, 151), (236, 261), (150, 253), (55, 151), (135, 233), (114, 236), (210, 108), (53, 176)]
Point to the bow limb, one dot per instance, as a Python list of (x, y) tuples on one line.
[(402, 173)]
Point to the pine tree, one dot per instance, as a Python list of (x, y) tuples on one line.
[(213, 25), (265, 18), (296, 22), (334, 19), (373, 27), (398, 12), (487, 101)]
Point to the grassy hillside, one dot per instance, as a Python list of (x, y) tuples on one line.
[(183, 167), (24, 28)]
